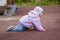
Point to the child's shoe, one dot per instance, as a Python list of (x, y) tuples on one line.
[(9, 28)]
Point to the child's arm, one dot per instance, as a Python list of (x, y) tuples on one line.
[(37, 23)]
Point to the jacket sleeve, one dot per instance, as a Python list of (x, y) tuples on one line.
[(37, 23)]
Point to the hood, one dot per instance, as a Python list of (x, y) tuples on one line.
[(38, 10)]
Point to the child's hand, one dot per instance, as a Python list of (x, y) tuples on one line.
[(43, 30)]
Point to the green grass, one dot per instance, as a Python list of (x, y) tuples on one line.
[(51, 3)]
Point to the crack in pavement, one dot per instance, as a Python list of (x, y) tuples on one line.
[(9, 18)]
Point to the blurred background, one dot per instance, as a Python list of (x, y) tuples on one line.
[(37, 2), (10, 6)]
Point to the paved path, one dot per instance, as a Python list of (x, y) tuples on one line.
[(50, 21)]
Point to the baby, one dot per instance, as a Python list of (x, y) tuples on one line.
[(32, 19)]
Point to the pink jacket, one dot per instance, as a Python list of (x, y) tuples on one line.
[(32, 19)]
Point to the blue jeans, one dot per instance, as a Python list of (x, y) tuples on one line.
[(19, 27)]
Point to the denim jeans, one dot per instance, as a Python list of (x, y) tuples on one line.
[(19, 27)]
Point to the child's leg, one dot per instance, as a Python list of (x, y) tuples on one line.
[(19, 27)]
